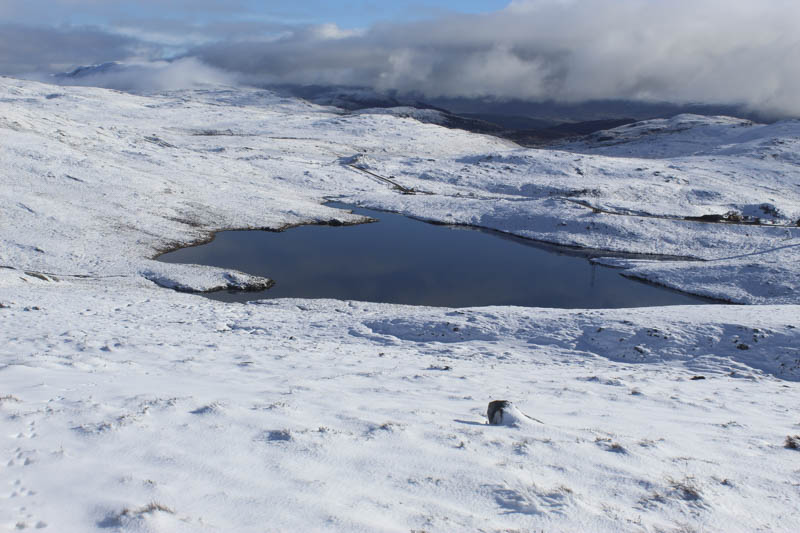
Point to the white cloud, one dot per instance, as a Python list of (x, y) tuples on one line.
[(184, 73), (709, 51), (720, 51)]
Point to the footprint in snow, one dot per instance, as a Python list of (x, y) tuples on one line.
[(532, 500)]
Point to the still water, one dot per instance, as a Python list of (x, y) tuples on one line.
[(402, 260)]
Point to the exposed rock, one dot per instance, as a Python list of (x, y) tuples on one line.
[(505, 413)]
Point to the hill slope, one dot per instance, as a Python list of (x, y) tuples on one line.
[(127, 406)]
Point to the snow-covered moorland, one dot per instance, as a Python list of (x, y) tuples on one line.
[(128, 406)]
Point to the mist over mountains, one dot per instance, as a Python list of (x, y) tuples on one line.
[(712, 52), (525, 122)]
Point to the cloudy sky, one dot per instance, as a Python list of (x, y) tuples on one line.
[(707, 51)]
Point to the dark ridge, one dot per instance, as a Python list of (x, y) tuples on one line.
[(525, 123)]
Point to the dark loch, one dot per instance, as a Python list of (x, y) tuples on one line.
[(406, 261)]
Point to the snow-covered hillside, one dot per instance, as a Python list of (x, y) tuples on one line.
[(126, 406), (161, 165)]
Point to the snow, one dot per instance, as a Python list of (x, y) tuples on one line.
[(429, 116), (126, 406), (275, 160)]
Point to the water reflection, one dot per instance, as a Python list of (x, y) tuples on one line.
[(401, 260)]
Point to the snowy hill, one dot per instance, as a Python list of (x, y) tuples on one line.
[(681, 135), (581, 195), (131, 407), (349, 98)]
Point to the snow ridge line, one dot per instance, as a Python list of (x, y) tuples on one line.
[(394, 184), (37, 273), (584, 203)]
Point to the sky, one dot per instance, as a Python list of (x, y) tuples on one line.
[(739, 52), (349, 14)]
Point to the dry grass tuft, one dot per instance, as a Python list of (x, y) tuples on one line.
[(686, 489), (149, 508)]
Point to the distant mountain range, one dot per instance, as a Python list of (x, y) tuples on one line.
[(91, 70), (526, 123)]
